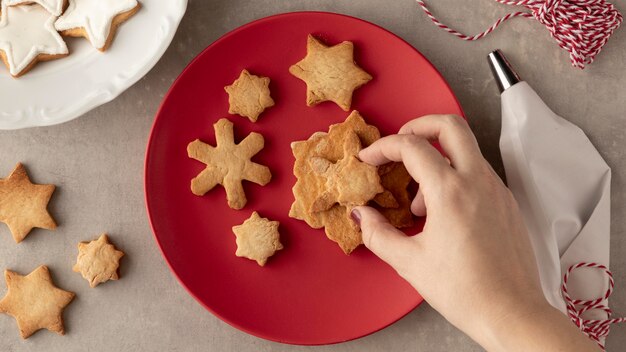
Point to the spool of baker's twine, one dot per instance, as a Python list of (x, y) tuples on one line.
[(596, 329), (581, 27)]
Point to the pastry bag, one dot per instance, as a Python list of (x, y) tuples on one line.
[(562, 185)]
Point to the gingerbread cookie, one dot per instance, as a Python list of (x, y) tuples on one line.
[(257, 238), (96, 20), (35, 302), (249, 96), (349, 181), (23, 204), (98, 261), (55, 7), (27, 36), (330, 73), (310, 185), (228, 164)]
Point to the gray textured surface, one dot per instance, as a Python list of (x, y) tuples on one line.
[(97, 163)]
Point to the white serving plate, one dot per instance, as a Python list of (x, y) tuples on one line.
[(61, 90)]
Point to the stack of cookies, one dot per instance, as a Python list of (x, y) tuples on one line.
[(331, 181)]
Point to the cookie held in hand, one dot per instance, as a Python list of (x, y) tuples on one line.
[(35, 302), (98, 261), (349, 181), (330, 73), (257, 238), (249, 96), (228, 164), (23, 204)]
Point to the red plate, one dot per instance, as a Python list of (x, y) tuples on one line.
[(310, 292)]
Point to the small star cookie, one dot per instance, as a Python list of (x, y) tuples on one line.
[(96, 20), (330, 73), (349, 181), (98, 261), (35, 302), (23, 204), (257, 238), (55, 7), (249, 96), (27, 36), (228, 164)]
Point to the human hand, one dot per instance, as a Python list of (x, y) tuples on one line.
[(473, 261)]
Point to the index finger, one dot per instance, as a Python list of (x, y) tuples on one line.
[(453, 134), (421, 159)]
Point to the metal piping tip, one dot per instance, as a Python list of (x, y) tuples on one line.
[(502, 71)]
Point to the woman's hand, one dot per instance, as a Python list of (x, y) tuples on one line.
[(473, 262)]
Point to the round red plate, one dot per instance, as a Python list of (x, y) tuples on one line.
[(310, 292)]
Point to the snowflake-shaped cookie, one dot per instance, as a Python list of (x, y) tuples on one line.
[(228, 163)]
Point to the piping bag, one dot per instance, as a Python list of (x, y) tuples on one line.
[(563, 188)]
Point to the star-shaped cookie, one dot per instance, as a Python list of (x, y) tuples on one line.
[(348, 182), (249, 95), (23, 204), (257, 238), (96, 20), (330, 73), (98, 261), (35, 302), (228, 164), (27, 35), (55, 7)]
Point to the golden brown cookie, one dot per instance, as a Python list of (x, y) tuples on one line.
[(395, 178), (34, 301), (338, 225), (330, 73), (349, 181), (23, 204), (257, 238), (98, 261), (95, 20), (228, 164), (249, 96)]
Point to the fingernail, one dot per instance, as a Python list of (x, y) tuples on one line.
[(356, 216)]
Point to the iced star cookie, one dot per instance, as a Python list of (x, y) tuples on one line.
[(330, 73), (98, 261), (23, 204), (257, 238), (55, 7), (35, 302), (249, 95), (27, 36), (96, 20)]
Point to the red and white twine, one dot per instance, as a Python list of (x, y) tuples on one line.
[(581, 27), (596, 329)]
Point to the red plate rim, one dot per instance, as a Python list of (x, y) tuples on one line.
[(151, 140)]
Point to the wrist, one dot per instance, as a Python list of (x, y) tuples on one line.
[(532, 325)]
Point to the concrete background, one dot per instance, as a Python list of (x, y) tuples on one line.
[(97, 163)]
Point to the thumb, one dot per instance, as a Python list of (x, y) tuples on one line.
[(384, 240)]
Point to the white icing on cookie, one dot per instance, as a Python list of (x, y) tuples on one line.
[(55, 7), (95, 16), (27, 32)]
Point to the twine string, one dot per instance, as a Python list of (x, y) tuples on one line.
[(581, 27)]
